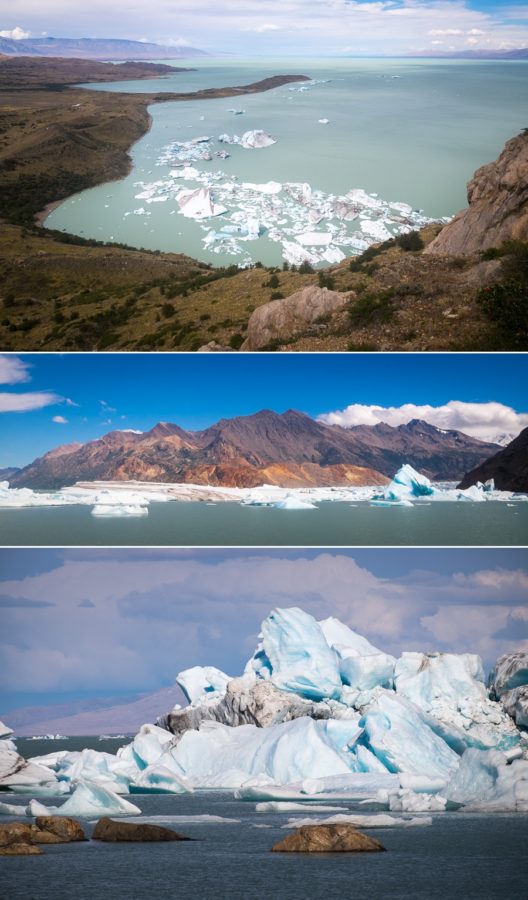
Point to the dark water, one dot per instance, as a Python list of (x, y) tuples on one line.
[(459, 855), (228, 524), (28, 748)]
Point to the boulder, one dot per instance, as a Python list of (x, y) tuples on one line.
[(62, 827), (15, 833), (498, 206), (108, 830), (21, 849), (282, 319), (328, 839)]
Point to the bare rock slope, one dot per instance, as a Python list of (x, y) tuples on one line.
[(498, 206)]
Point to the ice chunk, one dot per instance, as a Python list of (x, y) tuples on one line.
[(284, 806), (255, 140), (333, 255), (375, 229), (5, 729), (315, 237), (403, 741), (120, 510), (323, 121), (408, 483), (486, 782), (292, 502), (406, 800), (87, 801), (199, 204), (161, 780), (300, 658), (295, 254), (201, 680), (361, 665)]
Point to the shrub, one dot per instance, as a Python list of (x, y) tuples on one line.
[(236, 341), (372, 308), (410, 241), (506, 305), (277, 295)]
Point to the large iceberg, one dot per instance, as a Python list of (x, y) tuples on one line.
[(321, 714)]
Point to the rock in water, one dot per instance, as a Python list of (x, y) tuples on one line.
[(282, 319), (15, 833), (21, 849), (328, 839), (63, 827), (108, 830), (498, 206)]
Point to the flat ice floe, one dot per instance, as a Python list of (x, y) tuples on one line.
[(310, 225)]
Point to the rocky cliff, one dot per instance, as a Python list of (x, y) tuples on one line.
[(508, 467), (498, 206)]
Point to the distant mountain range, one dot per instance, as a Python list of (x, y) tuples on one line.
[(94, 48), (508, 467), (111, 715), (289, 449), (475, 54)]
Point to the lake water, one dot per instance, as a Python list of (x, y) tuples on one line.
[(229, 524), (411, 131), (463, 855)]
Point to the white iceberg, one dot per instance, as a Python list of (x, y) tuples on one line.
[(361, 665), (256, 140), (87, 801), (361, 821), (199, 204)]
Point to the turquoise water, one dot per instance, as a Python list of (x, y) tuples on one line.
[(411, 131), (228, 524)]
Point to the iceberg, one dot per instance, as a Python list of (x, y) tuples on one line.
[(361, 665), (486, 782), (361, 821), (256, 140), (87, 801), (199, 204), (408, 484)]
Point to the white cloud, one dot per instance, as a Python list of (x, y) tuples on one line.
[(157, 612), (27, 402), (301, 27), (60, 420), (486, 421), (13, 370), (16, 34)]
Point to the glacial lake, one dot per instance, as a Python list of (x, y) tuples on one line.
[(410, 131), (469, 856), (229, 524)]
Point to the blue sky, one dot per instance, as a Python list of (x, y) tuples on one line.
[(282, 27), (78, 397), (80, 622)]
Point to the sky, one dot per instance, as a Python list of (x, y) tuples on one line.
[(108, 621), (52, 399), (281, 27)]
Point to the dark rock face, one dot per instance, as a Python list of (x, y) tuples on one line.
[(498, 206), (109, 830), (328, 839), (242, 452), (509, 683), (508, 467), (64, 828)]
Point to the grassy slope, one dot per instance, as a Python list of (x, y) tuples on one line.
[(56, 140)]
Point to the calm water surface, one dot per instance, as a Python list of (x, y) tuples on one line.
[(466, 856), (410, 130), (228, 524)]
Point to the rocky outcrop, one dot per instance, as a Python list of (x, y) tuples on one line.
[(247, 702), (498, 206), (108, 830), (19, 838), (508, 467), (508, 683), (328, 839), (64, 828), (283, 319)]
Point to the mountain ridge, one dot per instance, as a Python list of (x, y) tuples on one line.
[(244, 450), (94, 48), (508, 467)]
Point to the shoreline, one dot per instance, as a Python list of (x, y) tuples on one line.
[(147, 100)]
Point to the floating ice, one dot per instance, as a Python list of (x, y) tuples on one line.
[(361, 665), (360, 821), (199, 204), (408, 484), (486, 782), (256, 140), (308, 807), (88, 800), (120, 510)]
